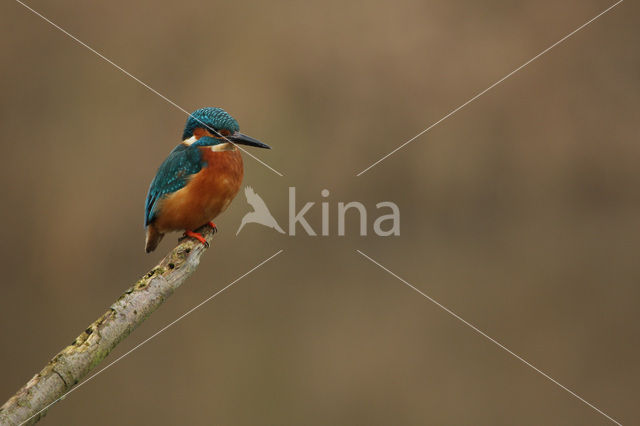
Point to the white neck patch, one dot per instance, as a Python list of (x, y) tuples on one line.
[(189, 141), (215, 148)]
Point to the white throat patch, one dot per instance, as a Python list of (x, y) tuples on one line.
[(215, 148), (223, 147)]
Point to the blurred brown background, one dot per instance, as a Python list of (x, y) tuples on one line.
[(520, 212)]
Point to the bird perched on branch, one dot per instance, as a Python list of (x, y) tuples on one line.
[(198, 179)]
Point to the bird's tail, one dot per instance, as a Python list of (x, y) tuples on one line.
[(153, 238)]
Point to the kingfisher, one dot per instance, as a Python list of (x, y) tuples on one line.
[(199, 178)]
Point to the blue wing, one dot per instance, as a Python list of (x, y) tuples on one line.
[(172, 175)]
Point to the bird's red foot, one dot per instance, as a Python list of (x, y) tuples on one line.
[(197, 236), (213, 225)]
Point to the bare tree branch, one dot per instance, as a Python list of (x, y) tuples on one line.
[(75, 361)]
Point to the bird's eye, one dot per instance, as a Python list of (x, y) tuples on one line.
[(224, 132)]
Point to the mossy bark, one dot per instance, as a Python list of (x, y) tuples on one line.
[(75, 361)]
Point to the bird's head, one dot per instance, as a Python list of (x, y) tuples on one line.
[(218, 127)]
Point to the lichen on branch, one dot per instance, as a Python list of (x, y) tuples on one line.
[(75, 361)]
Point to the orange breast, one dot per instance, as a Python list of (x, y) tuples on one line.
[(208, 193)]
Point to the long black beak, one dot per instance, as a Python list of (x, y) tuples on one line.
[(241, 139)]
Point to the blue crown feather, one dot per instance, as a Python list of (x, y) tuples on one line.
[(215, 118)]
